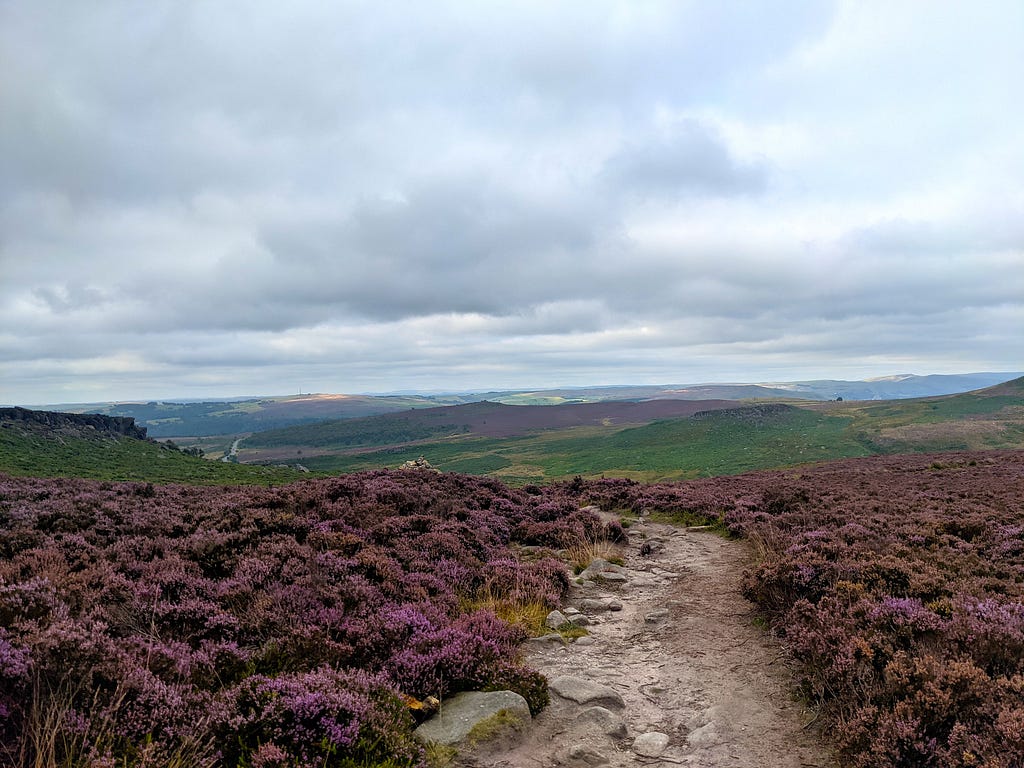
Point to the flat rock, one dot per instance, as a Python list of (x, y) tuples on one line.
[(551, 637), (650, 744), (705, 736), (459, 715), (601, 568), (585, 755), (655, 616), (584, 691), (589, 605), (603, 720)]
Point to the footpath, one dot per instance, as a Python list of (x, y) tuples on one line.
[(673, 671)]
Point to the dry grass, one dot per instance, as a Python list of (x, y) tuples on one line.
[(584, 552), (50, 743)]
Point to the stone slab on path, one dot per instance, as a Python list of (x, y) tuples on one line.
[(585, 692)]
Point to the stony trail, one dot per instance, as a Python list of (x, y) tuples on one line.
[(681, 658)]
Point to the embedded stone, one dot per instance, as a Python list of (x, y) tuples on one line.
[(650, 744), (584, 691), (603, 720)]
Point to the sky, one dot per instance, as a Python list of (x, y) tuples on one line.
[(215, 199)]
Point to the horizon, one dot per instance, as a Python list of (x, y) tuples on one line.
[(453, 196), (488, 390)]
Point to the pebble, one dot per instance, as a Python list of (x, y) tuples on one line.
[(614, 605)]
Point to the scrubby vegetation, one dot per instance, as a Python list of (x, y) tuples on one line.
[(172, 626), (898, 583)]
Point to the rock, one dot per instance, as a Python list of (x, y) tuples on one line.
[(581, 753), (556, 620), (655, 616), (579, 620), (589, 605), (611, 576), (585, 692), (603, 720), (650, 744), (585, 640), (614, 605), (475, 717), (570, 612), (419, 463), (601, 568), (551, 637), (705, 736)]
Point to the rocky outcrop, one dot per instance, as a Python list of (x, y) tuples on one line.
[(84, 424)]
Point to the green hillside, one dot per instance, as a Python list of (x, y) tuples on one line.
[(722, 442), (104, 458)]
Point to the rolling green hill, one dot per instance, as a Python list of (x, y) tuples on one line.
[(734, 440), (718, 442), (69, 450), (653, 440)]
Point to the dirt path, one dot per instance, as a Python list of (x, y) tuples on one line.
[(687, 662)]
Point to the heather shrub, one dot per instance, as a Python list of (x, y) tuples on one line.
[(325, 717), (140, 625)]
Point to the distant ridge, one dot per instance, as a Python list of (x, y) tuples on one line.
[(76, 424)]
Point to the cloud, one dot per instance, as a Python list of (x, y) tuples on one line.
[(692, 161), (219, 198)]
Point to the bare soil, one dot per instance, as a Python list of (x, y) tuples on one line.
[(701, 672)]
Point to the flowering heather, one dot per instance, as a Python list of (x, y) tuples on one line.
[(897, 581), (147, 625)]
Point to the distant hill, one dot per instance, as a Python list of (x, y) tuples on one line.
[(201, 419), (239, 417), (483, 419), (507, 442)]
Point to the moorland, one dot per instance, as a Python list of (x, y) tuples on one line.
[(272, 620)]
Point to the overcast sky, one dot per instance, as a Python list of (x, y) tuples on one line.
[(227, 198)]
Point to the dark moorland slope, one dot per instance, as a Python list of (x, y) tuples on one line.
[(484, 419)]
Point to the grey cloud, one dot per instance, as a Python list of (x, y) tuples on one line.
[(692, 161), (383, 196)]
